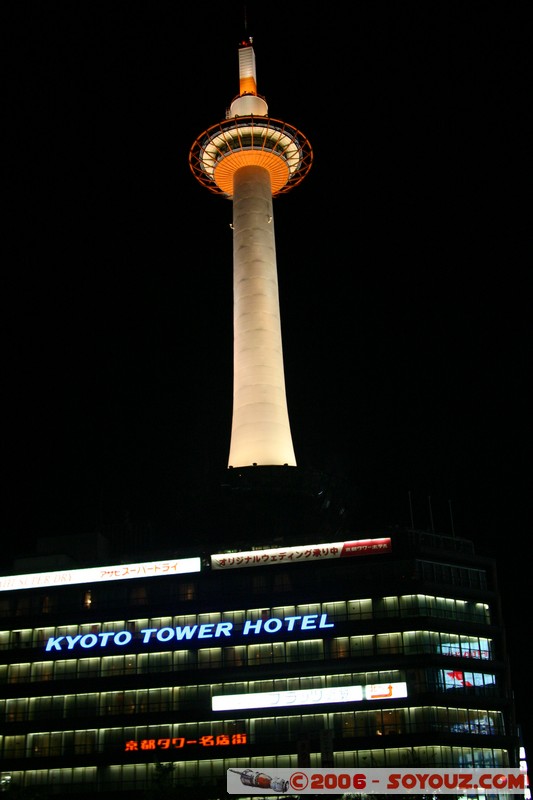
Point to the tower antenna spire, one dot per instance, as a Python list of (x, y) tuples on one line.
[(250, 158)]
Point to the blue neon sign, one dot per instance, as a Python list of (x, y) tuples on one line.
[(179, 633)]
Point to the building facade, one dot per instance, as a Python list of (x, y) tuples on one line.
[(378, 650)]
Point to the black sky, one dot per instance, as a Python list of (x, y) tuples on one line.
[(403, 262)]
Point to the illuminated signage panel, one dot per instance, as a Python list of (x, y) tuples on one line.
[(382, 691), (467, 649), (121, 572), (455, 679), (179, 742), (484, 725), (308, 697), (179, 633), (300, 553)]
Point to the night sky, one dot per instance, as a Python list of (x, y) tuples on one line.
[(403, 263)]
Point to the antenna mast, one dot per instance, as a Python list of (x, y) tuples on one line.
[(451, 518)]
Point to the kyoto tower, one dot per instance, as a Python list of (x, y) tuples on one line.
[(250, 158)]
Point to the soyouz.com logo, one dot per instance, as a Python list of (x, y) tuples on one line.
[(378, 781)]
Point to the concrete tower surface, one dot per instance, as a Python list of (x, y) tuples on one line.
[(250, 158)]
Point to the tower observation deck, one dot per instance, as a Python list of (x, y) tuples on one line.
[(250, 158)]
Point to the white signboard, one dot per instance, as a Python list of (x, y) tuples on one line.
[(121, 572)]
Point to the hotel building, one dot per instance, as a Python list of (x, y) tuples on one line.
[(382, 649)]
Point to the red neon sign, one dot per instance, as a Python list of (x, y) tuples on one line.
[(178, 742)]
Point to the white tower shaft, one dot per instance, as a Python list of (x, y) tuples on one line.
[(260, 431)]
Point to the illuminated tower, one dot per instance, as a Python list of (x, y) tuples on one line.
[(250, 158)]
